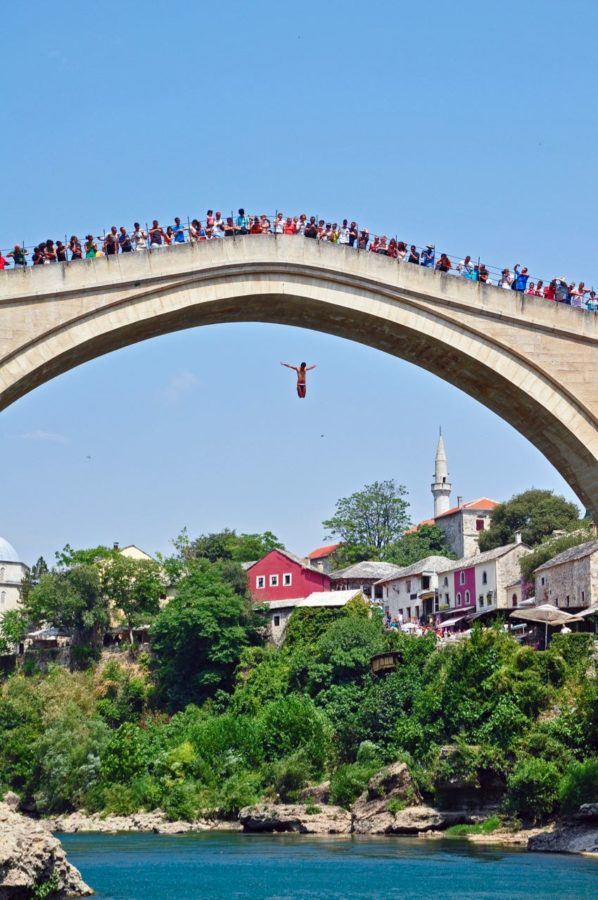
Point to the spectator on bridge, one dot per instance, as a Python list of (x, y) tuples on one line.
[(19, 256), (353, 234), (483, 274), (139, 237), (592, 301), (75, 248), (110, 242), (60, 252), (562, 291), (550, 290), (178, 231), (392, 248), (506, 280), (344, 233), (531, 288), (428, 256), (364, 239), (520, 278), (540, 288), (209, 223), (3, 262), (50, 251), (443, 264), (255, 227), (465, 267), (265, 223), (279, 224), (91, 248), (311, 229), (229, 227), (413, 255), (156, 235), (401, 251), (218, 226), (289, 227), (242, 223), (124, 241)]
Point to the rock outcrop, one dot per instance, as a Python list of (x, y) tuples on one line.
[(155, 822), (576, 835), (316, 793), (30, 857), (297, 818), (391, 804)]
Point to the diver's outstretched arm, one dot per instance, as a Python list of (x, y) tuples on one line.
[(289, 366)]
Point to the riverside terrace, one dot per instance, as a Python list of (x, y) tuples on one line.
[(154, 237)]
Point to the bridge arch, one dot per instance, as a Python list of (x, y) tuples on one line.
[(532, 362)]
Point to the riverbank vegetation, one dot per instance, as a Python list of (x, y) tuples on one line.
[(215, 718)]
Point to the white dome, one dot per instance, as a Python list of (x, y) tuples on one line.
[(7, 552)]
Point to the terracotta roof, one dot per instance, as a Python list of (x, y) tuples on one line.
[(482, 503), (570, 555), (321, 552)]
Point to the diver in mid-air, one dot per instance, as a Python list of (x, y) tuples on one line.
[(301, 377)]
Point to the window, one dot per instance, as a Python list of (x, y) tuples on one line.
[(445, 581), (459, 599), (273, 580), (426, 582), (260, 581), (287, 579), (484, 577), (467, 598), (446, 599), (408, 586), (543, 581), (583, 596), (514, 599), (436, 604), (276, 621), (567, 600), (461, 577), (479, 524), (481, 600)]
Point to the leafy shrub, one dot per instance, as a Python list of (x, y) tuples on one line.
[(349, 781), (486, 827), (289, 775), (579, 785), (292, 723), (533, 788)]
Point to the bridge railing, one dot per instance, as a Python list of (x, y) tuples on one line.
[(494, 272)]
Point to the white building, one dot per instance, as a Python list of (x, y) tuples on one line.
[(364, 576), (12, 573), (484, 582), (413, 591), (280, 611)]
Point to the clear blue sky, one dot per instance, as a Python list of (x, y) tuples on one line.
[(472, 125)]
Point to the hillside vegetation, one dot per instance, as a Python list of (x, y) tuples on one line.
[(217, 719)]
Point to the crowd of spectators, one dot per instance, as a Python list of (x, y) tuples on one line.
[(349, 234)]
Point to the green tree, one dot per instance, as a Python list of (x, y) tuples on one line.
[(72, 599), (429, 540), (134, 587), (13, 628), (226, 545), (370, 521), (534, 513), (198, 637)]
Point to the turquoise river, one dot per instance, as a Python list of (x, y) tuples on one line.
[(156, 867)]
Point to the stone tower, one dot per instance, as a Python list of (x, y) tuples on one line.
[(441, 486)]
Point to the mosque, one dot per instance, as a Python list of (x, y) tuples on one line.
[(12, 573)]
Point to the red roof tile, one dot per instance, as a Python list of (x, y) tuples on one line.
[(321, 552), (482, 503)]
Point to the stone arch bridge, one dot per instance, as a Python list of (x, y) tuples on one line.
[(532, 362)]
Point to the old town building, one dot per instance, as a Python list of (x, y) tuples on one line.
[(569, 579)]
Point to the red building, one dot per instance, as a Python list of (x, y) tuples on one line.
[(280, 575)]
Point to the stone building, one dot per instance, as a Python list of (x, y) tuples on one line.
[(12, 573), (413, 591), (364, 576), (322, 558), (569, 579), (484, 582), (280, 611)]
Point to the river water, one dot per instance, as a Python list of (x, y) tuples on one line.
[(216, 864)]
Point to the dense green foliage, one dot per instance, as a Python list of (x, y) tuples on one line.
[(254, 721), (369, 521), (535, 514)]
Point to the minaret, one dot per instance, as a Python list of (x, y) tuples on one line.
[(441, 487)]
